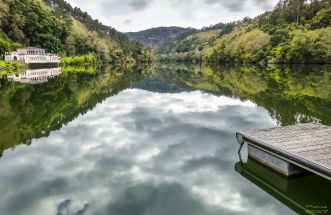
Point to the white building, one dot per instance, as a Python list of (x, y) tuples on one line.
[(34, 76), (31, 55)]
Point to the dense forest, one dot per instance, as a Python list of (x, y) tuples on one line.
[(296, 31), (59, 28)]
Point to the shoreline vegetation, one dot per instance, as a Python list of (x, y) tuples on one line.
[(67, 63), (10, 67), (89, 59), (83, 64)]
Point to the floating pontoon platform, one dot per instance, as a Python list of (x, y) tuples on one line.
[(291, 150)]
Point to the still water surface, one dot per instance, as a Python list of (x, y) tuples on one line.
[(153, 141)]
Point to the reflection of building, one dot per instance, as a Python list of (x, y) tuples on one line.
[(34, 76), (32, 55), (304, 195)]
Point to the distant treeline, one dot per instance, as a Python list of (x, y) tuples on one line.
[(296, 31), (58, 27), (157, 36)]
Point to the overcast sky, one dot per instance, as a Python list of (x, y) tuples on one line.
[(135, 15)]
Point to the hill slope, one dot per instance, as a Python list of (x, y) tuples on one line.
[(157, 36), (58, 27), (294, 32)]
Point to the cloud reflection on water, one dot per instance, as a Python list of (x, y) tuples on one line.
[(139, 153)]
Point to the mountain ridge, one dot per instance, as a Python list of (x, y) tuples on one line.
[(158, 35)]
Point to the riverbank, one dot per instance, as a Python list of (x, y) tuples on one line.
[(93, 59), (16, 66), (88, 59)]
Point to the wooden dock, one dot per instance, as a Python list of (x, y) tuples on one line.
[(291, 149)]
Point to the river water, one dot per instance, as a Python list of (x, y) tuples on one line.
[(154, 140)]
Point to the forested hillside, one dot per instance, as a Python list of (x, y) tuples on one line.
[(157, 36), (58, 27), (296, 31)]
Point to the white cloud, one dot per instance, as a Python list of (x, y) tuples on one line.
[(145, 14)]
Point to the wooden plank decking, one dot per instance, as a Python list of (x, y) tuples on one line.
[(307, 146)]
